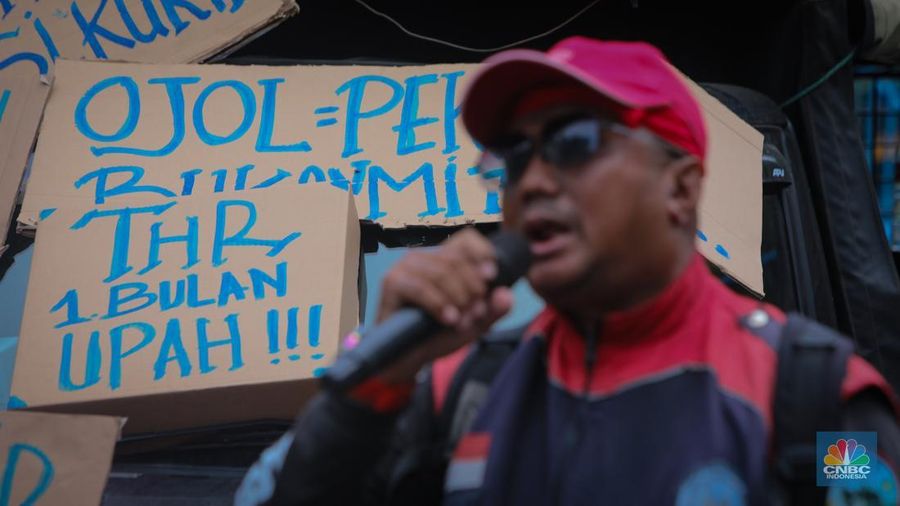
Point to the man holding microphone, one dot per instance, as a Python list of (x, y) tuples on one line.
[(643, 381)]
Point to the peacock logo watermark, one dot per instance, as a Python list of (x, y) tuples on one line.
[(845, 457)]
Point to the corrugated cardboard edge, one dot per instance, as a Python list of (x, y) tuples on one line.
[(728, 119), (391, 223), (117, 421), (287, 9), (15, 160), (161, 412), (290, 8), (349, 317)]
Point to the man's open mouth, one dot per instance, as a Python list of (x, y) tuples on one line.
[(546, 235)]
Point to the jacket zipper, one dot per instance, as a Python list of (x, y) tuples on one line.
[(575, 430)]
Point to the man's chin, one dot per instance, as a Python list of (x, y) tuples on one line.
[(556, 286)]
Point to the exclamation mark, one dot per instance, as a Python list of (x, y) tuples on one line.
[(315, 324), (4, 99), (272, 331), (290, 339)]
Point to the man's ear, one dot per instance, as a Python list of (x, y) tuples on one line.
[(685, 180)]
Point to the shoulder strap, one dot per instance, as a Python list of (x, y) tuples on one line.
[(424, 440), (812, 363), (470, 385)]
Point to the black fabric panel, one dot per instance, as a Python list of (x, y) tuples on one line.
[(868, 287)]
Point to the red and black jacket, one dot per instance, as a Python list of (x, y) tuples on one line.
[(667, 403)]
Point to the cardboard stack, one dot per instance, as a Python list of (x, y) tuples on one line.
[(65, 459)]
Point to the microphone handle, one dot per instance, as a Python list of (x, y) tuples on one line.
[(402, 331), (380, 346)]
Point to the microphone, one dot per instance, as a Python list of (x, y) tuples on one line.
[(410, 326)]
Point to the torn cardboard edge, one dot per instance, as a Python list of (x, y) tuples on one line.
[(719, 118), (55, 458), (120, 421), (289, 9), (24, 117), (209, 407)]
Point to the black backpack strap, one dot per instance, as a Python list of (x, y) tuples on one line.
[(471, 383), (424, 440), (812, 363)]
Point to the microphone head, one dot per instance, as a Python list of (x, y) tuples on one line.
[(513, 257)]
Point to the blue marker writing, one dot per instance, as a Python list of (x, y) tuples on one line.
[(233, 342), (248, 106), (70, 302), (16, 451), (355, 89), (172, 350), (103, 191), (119, 353), (191, 240), (93, 361), (157, 28), (409, 117), (170, 7), (4, 99), (267, 122), (451, 112), (119, 263), (425, 172), (241, 238), (92, 30)]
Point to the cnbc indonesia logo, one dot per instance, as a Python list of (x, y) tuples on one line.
[(846, 460)]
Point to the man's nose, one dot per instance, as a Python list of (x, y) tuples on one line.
[(538, 179)]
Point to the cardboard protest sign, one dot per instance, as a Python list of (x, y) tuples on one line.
[(390, 136), (34, 35), (730, 229), (163, 31), (22, 97), (209, 308), (49, 459)]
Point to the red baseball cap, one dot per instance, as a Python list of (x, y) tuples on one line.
[(633, 79)]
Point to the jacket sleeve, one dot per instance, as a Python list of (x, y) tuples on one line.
[(341, 451), (329, 457)]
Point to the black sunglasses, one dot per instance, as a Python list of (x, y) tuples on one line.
[(567, 143)]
